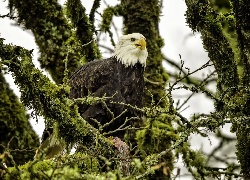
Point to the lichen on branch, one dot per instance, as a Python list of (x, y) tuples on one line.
[(84, 28), (202, 18), (49, 99), (53, 34)]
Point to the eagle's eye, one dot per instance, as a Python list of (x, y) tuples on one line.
[(132, 39)]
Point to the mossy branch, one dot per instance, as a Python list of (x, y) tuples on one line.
[(233, 96), (201, 17), (49, 100), (107, 17), (16, 133), (94, 8), (52, 32), (84, 28), (242, 15)]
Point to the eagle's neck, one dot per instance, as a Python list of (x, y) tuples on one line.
[(130, 57)]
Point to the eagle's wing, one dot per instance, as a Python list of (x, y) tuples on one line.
[(92, 78), (98, 78)]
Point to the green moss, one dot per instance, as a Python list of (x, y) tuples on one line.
[(108, 14), (15, 129), (107, 17), (242, 15), (221, 5), (84, 29), (51, 32), (50, 101), (226, 48), (195, 161), (201, 17), (239, 112), (43, 170), (157, 137), (84, 162)]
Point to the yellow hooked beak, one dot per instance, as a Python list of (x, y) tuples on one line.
[(141, 43)]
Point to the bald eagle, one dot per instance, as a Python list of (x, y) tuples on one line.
[(119, 77)]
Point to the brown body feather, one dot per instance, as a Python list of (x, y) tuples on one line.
[(109, 78)]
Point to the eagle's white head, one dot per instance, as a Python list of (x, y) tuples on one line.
[(131, 49)]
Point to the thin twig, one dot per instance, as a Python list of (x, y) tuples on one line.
[(199, 86), (114, 118), (123, 129), (180, 79)]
